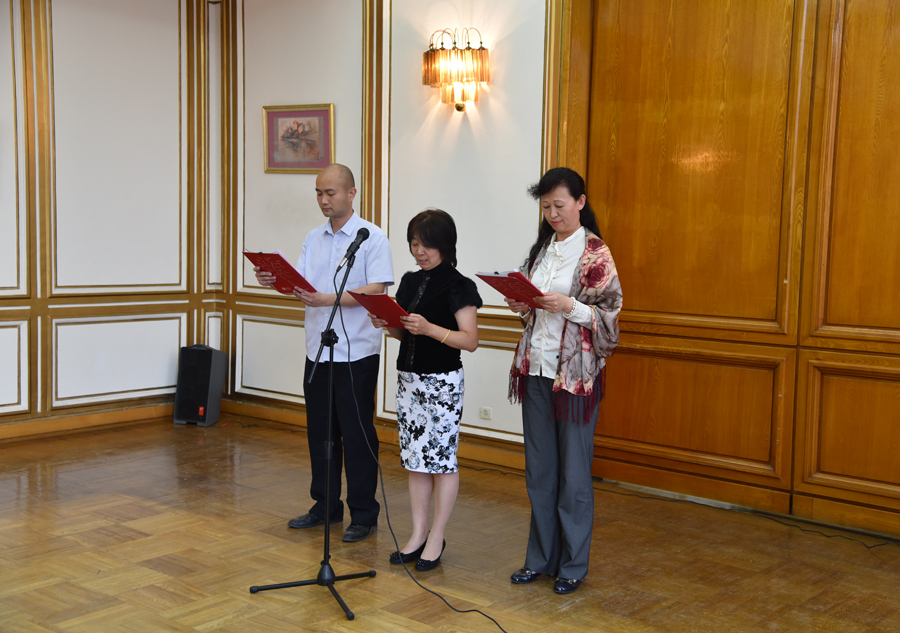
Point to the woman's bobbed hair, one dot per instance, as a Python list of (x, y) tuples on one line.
[(435, 229)]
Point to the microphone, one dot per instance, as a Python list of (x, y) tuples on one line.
[(361, 236)]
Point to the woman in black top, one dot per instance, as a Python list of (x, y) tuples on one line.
[(442, 306)]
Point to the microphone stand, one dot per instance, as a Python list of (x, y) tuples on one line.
[(326, 576)]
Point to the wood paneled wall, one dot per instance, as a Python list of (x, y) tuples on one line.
[(740, 165)]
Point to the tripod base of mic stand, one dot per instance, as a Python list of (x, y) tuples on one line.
[(325, 578)]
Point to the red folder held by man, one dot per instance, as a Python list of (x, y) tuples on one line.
[(286, 276)]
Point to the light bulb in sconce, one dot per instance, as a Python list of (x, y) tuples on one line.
[(457, 72)]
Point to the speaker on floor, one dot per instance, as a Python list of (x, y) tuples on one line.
[(198, 393)]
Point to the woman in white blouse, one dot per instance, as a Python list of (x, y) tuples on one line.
[(558, 376)]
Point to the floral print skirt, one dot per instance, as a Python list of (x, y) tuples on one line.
[(429, 408)]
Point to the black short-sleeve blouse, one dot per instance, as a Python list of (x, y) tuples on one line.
[(437, 294)]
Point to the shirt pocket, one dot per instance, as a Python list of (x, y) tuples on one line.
[(357, 277)]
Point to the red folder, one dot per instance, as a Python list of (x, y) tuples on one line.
[(381, 306), (286, 276), (513, 284)]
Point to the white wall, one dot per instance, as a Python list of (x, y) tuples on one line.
[(296, 53), (114, 179), (476, 165), (118, 196), (14, 342), (215, 220), (119, 222), (13, 366), (272, 352), (100, 359), (119, 189), (12, 166)]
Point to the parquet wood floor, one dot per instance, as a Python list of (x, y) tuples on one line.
[(157, 527)]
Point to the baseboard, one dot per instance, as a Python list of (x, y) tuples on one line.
[(285, 416), (85, 422), (778, 501), (839, 513)]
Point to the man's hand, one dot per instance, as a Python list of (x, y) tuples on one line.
[(264, 278), (313, 299)]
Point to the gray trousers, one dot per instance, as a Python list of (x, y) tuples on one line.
[(558, 458)]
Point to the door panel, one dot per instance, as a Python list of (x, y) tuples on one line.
[(851, 300), (700, 406), (692, 162)]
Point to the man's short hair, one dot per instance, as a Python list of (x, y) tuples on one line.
[(344, 174)]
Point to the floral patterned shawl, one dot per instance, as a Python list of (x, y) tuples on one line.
[(583, 351)]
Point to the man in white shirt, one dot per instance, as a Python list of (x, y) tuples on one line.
[(353, 435)]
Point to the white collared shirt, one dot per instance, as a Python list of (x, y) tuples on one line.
[(554, 273), (322, 252)]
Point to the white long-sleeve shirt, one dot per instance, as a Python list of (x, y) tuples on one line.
[(554, 273)]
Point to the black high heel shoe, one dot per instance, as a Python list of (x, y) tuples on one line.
[(428, 565), (399, 557)]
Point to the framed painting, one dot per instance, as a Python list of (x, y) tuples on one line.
[(298, 139)]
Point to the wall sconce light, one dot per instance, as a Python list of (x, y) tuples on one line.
[(456, 71)]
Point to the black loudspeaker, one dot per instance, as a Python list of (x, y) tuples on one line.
[(201, 376)]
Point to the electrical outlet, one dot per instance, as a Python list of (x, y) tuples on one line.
[(484, 413)]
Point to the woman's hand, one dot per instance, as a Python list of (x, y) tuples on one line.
[(377, 322), (417, 324), (264, 278), (519, 307), (395, 332), (555, 302)]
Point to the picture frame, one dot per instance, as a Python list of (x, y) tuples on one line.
[(298, 139)]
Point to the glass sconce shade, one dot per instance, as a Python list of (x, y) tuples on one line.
[(456, 71)]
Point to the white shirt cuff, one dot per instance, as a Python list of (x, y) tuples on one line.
[(581, 314)]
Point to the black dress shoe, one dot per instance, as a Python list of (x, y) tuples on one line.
[(524, 575), (428, 565), (357, 532), (564, 585), (399, 557), (308, 520)]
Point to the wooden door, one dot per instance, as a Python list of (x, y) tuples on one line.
[(698, 138), (847, 468), (732, 146)]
